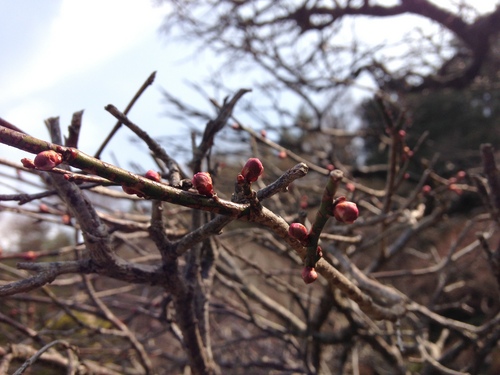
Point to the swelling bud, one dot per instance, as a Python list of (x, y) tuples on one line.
[(298, 231), (202, 181), (132, 191), (345, 211), (46, 160), (152, 175), (309, 275), (252, 170)]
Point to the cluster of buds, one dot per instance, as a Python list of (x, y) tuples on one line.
[(453, 182), (150, 175), (44, 161), (344, 211), (407, 153)]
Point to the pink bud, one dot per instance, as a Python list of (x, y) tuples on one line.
[(407, 153), (153, 175), (455, 189), (304, 202), (330, 167), (43, 208), (309, 275), (252, 170), (30, 255), (346, 212), (46, 160), (202, 181), (130, 190), (350, 187), (298, 231), (426, 189), (282, 154)]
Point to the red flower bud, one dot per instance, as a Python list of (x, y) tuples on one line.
[(346, 212), (304, 202), (46, 160), (309, 275), (298, 231), (30, 255), (455, 189), (407, 152), (153, 175), (240, 179), (43, 208), (202, 181), (130, 190), (426, 189), (252, 170)]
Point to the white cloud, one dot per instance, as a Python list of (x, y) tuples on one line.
[(84, 33)]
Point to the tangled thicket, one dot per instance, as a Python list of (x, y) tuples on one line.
[(298, 262), (211, 278)]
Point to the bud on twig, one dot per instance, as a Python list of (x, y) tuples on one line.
[(130, 190), (309, 275), (152, 175), (46, 160), (202, 181), (345, 211), (252, 170), (28, 163), (298, 231), (30, 256)]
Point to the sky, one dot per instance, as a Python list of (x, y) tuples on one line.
[(62, 56)]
